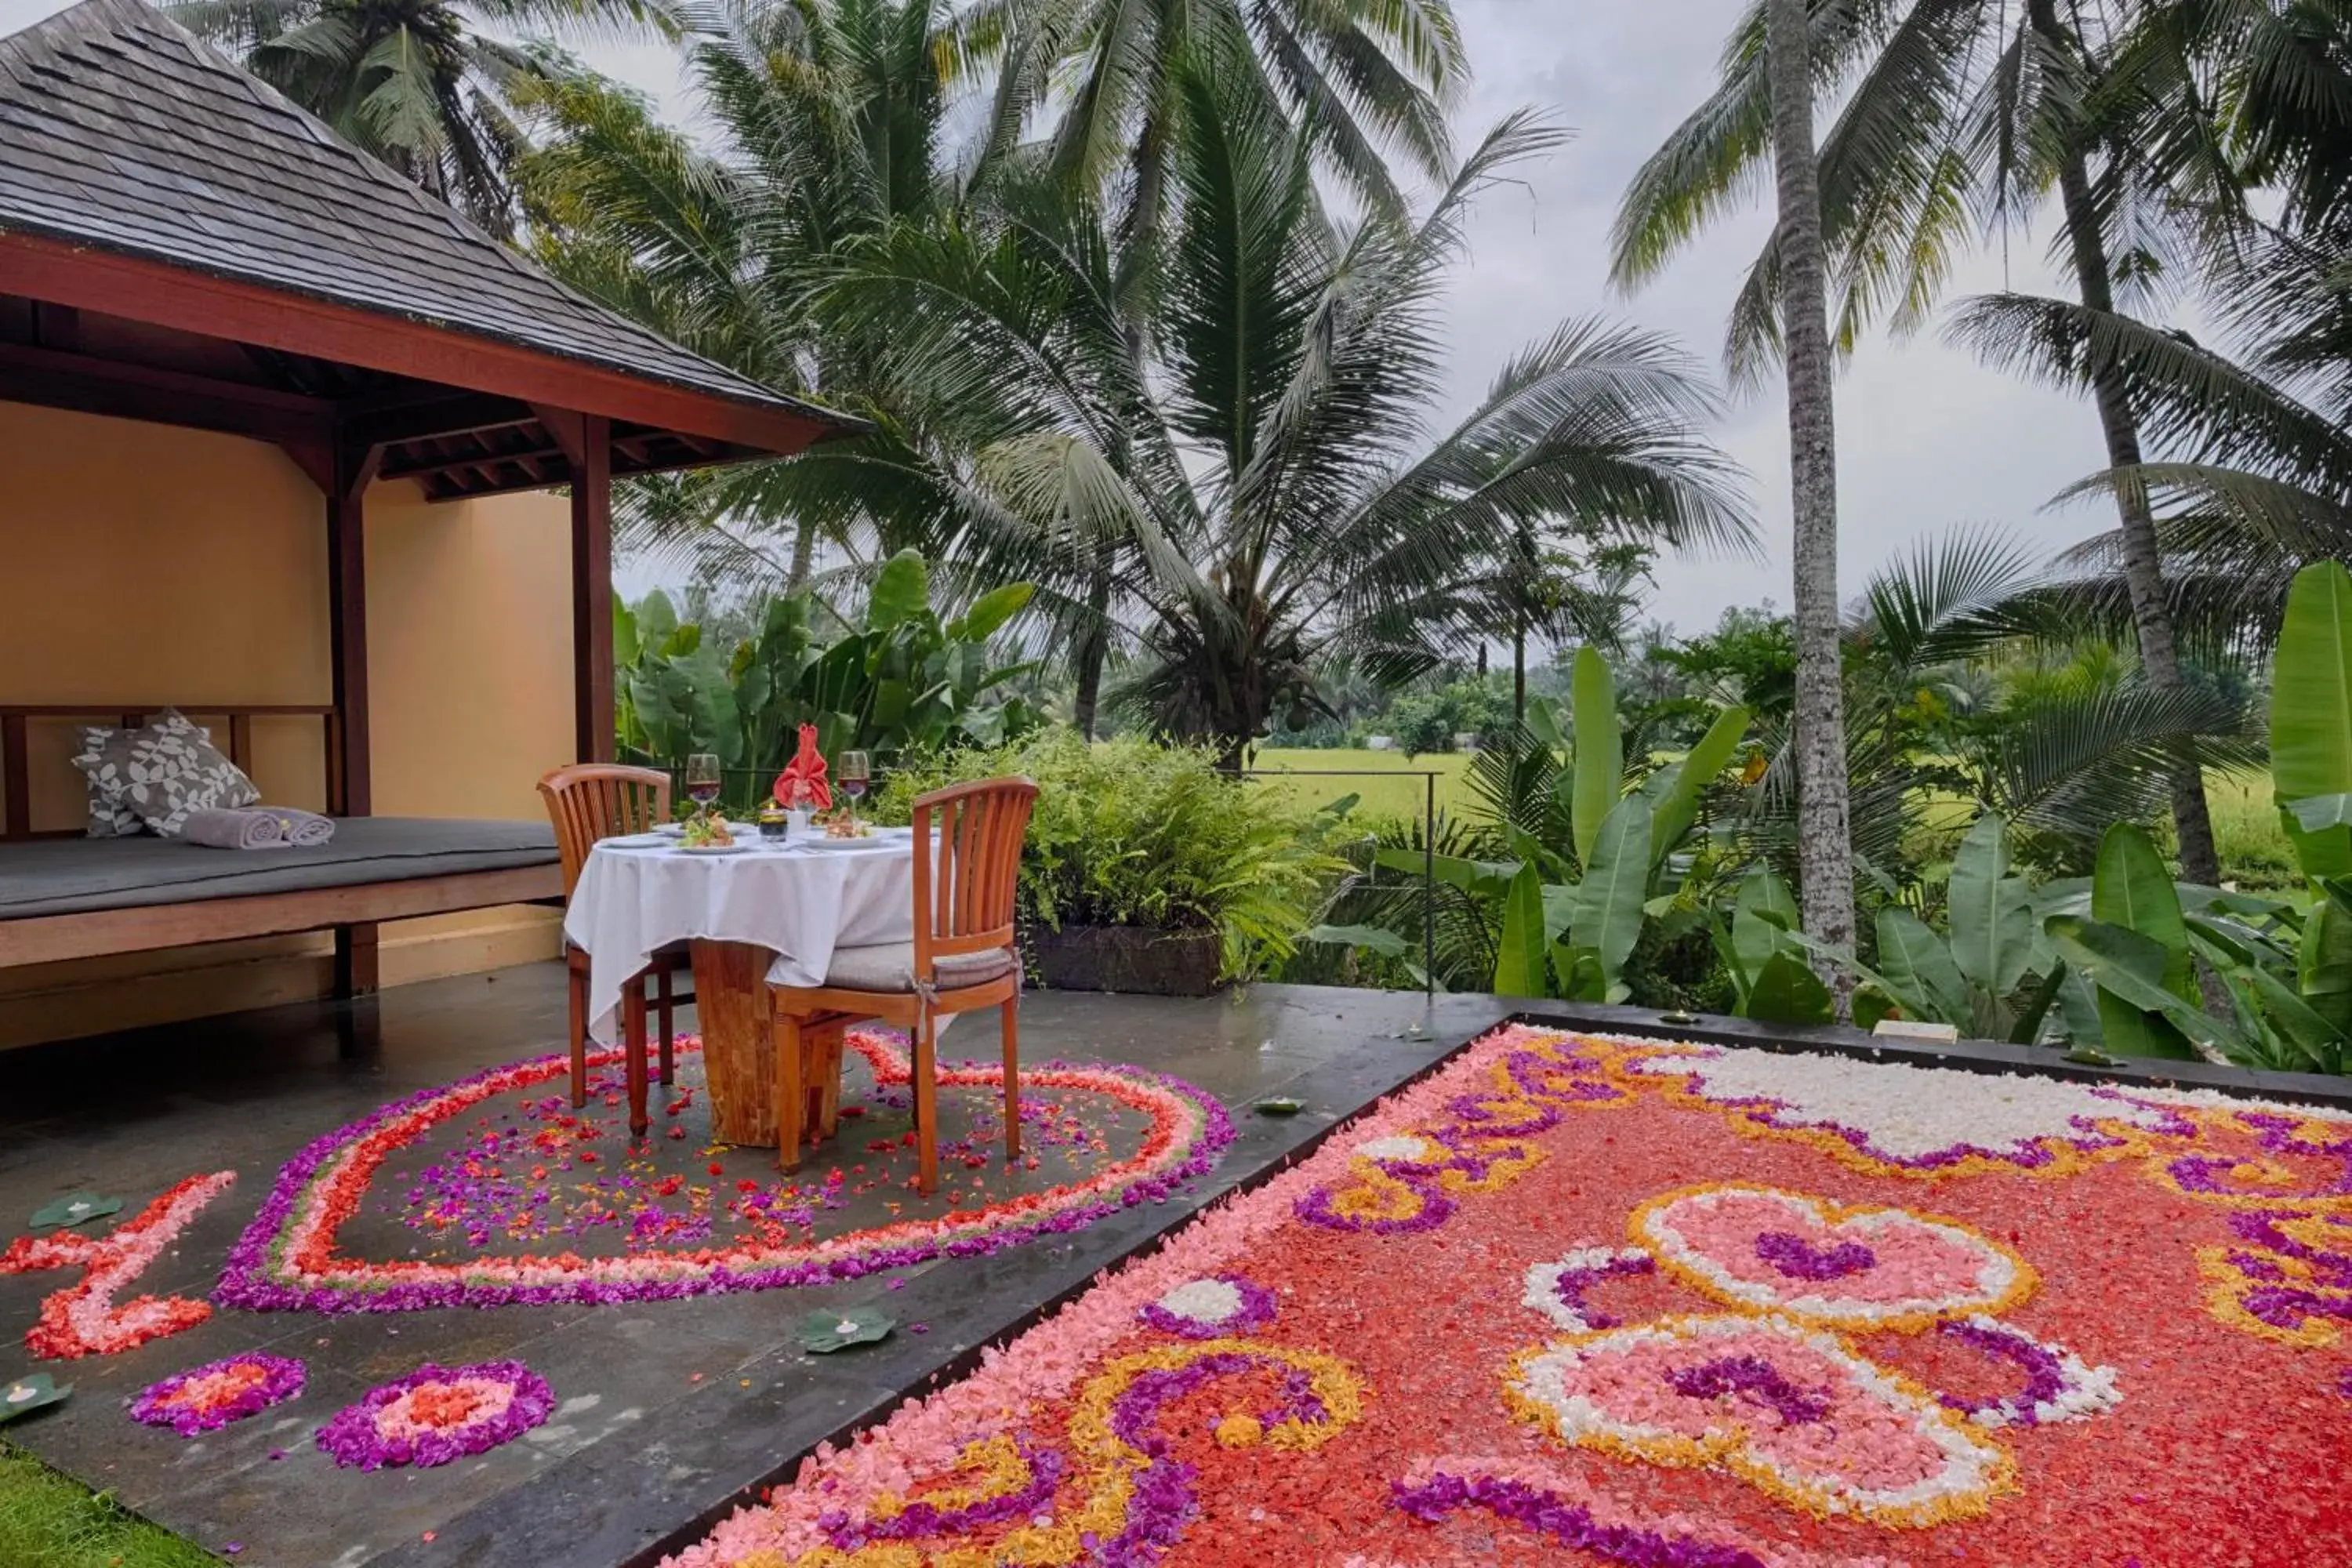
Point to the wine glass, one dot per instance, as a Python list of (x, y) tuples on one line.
[(702, 780), (857, 770)]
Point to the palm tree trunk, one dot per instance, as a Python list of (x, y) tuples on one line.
[(2143, 561), (804, 555), (1093, 648), (1824, 841), (1519, 667)]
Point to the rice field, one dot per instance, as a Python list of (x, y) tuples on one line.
[(2254, 852), (1389, 784)]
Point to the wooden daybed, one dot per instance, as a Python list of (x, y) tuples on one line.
[(181, 246), (63, 895)]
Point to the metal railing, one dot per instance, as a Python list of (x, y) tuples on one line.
[(1428, 777)]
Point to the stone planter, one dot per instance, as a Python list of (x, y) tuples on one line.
[(1136, 959)]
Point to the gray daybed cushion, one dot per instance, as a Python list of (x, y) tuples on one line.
[(73, 876)]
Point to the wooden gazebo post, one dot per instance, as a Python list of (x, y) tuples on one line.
[(587, 443), (349, 787)]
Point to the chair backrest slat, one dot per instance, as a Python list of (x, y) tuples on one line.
[(967, 865), (589, 801)]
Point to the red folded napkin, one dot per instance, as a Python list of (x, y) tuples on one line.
[(803, 777)]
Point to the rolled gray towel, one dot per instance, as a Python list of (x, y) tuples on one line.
[(248, 827), (304, 829)]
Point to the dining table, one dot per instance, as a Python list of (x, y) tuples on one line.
[(761, 912)]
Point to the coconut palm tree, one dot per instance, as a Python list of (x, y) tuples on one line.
[(1251, 472), (824, 124), (2257, 481), (1765, 109), (426, 86), (1959, 116), (1357, 79)]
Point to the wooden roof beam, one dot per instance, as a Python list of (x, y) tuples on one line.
[(165, 295), (54, 378), (462, 413), (395, 469)]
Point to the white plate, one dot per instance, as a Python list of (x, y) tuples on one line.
[(738, 847), (637, 841), (821, 841)]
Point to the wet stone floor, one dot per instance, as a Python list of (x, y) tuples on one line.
[(667, 1412)]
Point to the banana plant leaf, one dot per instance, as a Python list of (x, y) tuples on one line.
[(2027, 1028), (1580, 972), (2139, 1014), (1735, 963), (1675, 791), (991, 611), (1371, 939), (2318, 1042), (1991, 915), (1873, 1006), (1542, 720), (2132, 889), (1921, 971), (1763, 893), (902, 590), (2311, 713), (2323, 963), (1520, 969), (1491, 877), (1600, 750), (2078, 1008), (1787, 992), (1608, 918), (1560, 900)]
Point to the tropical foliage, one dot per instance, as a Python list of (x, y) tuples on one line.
[(1248, 475), (2286, 962), (1567, 860), (429, 86), (1143, 313), (1129, 832), (904, 679)]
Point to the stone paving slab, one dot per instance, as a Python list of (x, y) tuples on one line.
[(670, 1413)]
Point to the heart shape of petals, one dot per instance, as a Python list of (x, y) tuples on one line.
[(1828, 1264), (1791, 1410)]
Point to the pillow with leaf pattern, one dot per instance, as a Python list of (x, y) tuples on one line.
[(161, 773)]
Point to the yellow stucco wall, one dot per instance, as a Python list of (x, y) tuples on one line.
[(144, 563)]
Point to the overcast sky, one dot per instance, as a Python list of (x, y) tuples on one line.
[(1926, 439)]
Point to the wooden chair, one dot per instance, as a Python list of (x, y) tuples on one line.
[(967, 861), (589, 801)]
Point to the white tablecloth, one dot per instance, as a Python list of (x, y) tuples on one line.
[(798, 902)]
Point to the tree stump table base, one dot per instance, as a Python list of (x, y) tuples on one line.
[(737, 1021)]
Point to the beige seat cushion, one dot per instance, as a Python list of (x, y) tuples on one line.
[(890, 966)]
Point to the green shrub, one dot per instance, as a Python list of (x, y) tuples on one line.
[(1130, 833)]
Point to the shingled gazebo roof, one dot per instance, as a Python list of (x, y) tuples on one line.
[(144, 177)]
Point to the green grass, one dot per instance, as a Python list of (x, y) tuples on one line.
[(1388, 789), (48, 1521), (2255, 853), (2253, 849)]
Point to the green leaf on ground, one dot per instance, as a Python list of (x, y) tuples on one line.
[(35, 1390), (837, 1327), (76, 1208)]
